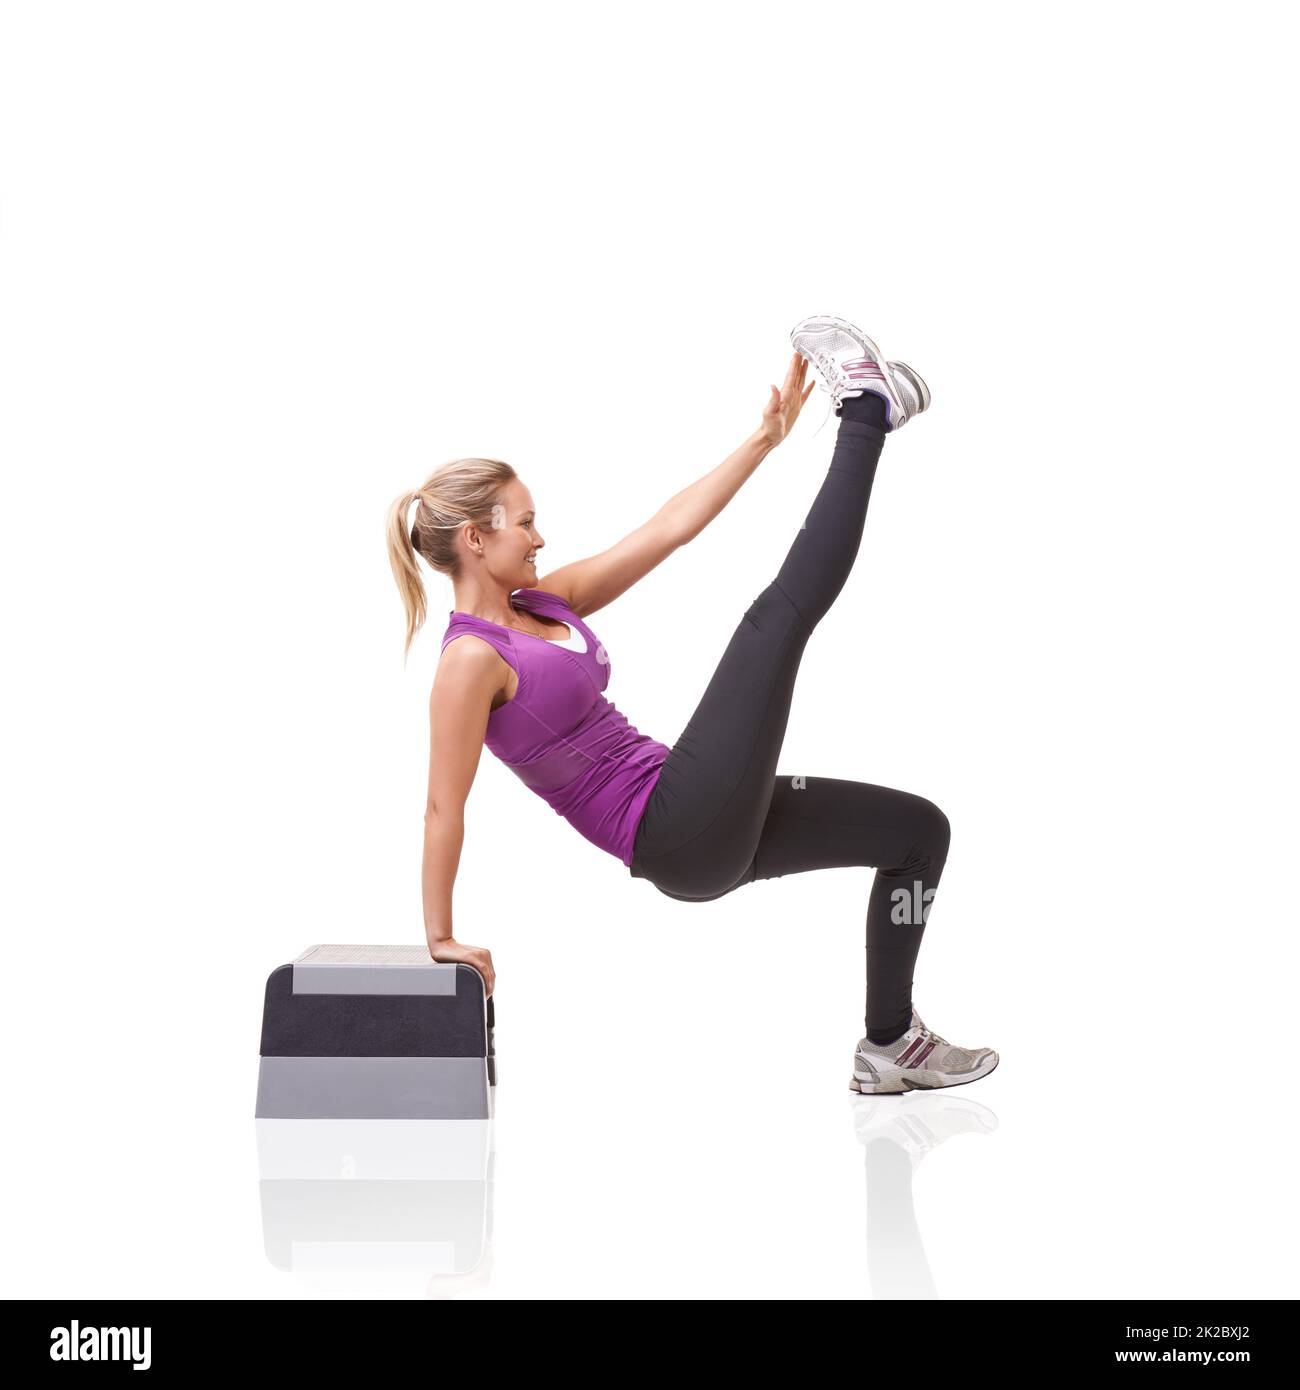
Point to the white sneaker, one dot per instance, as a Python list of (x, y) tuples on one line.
[(918, 1061), (848, 363)]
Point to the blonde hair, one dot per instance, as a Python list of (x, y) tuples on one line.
[(460, 491)]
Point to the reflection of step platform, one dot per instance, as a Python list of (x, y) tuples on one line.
[(376, 1032), (398, 1208)]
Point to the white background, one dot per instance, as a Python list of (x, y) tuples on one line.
[(265, 266)]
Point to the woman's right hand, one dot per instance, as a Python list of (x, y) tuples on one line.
[(783, 407), (449, 949)]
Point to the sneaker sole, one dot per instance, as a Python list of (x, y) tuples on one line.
[(918, 381), (854, 332), (918, 1081)]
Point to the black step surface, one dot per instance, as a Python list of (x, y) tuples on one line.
[(376, 1025)]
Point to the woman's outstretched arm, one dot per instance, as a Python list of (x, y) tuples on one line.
[(587, 585)]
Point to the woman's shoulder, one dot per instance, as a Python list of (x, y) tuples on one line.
[(489, 638), (473, 669), (486, 660)]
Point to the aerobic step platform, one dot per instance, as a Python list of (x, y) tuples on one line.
[(375, 1032)]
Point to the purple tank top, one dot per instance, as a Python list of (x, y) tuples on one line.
[(560, 735)]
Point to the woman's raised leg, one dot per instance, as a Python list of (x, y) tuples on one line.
[(701, 827)]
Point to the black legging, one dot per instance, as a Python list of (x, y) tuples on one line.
[(720, 817)]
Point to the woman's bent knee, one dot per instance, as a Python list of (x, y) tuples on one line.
[(928, 835), (935, 832), (940, 831)]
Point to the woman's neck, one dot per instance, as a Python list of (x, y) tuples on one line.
[(494, 607)]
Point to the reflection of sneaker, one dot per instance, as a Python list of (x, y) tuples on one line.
[(848, 363), (918, 1061), (918, 1124)]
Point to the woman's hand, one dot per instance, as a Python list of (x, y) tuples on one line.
[(449, 949), (783, 406)]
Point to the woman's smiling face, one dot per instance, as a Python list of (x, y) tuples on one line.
[(511, 543)]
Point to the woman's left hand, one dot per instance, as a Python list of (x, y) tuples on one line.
[(783, 406)]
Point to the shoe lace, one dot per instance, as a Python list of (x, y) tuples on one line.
[(934, 1037), (820, 370), (830, 407)]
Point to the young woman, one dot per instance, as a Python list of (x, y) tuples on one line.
[(523, 673)]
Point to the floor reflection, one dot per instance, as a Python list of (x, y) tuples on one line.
[(897, 1133), (386, 1207), (404, 1207)]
